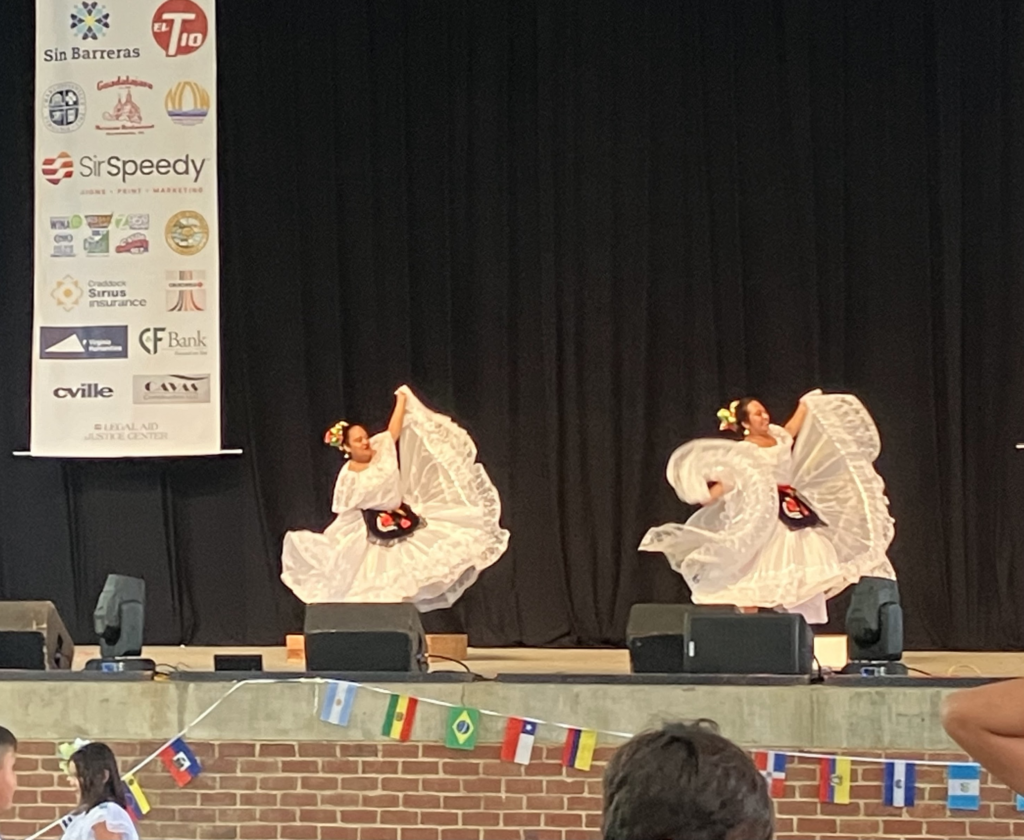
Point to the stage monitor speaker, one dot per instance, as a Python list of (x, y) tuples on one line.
[(656, 635), (33, 638), (364, 637), (749, 643)]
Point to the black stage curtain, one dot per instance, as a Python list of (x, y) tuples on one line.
[(577, 227)]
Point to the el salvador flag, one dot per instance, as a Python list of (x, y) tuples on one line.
[(964, 787), (899, 783)]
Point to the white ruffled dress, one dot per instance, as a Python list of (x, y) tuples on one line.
[(117, 819), (441, 481), (738, 551)]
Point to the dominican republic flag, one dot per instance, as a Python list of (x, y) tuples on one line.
[(899, 784), (338, 702), (519, 737), (834, 783), (180, 761), (773, 767), (964, 787)]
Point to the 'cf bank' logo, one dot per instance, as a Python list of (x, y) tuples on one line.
[(151, 338)]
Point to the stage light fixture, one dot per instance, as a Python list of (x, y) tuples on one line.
[(874, 629), (119, 620)]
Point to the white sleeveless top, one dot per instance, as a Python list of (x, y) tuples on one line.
[(117, 819)]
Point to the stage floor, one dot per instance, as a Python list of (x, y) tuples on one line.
[(488, 662)]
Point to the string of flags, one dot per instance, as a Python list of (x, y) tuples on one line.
[(834, 779), (462, 730)]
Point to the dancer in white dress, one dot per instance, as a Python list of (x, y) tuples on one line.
[(418, 529), (783, 525), (103, 799)]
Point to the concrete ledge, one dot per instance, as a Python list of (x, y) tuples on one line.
[(819, 717)]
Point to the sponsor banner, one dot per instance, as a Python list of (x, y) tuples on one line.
[(126, 337)]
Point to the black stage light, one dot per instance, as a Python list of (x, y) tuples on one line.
[(119, 619), (874, 629)]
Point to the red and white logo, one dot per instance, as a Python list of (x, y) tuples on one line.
[(56, 169), (180, 27)]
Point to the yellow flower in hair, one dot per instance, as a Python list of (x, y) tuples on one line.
[(66, 750), (335, 436), (727, 416)]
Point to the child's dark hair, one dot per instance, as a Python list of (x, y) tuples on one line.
[(98, 777)]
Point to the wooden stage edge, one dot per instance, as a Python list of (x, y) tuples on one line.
[(488, 662)]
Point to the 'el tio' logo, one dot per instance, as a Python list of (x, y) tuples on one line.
[(180, 27)]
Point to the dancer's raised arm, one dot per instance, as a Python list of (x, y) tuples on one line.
[(397, 416)]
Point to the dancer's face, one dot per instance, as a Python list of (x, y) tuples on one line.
[(357, 445), (757, 418)]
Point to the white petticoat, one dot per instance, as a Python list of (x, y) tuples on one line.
[(737, 551), (431, 568)]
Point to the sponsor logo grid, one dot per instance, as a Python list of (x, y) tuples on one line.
[(126, 337)]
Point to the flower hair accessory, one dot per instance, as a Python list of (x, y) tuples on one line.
[(66, 750), (335, 436), (727, 417)]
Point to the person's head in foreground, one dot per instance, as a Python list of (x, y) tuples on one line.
[(685, 782), (8, 753), (93, 769)]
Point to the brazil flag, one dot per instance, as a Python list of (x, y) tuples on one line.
[(463, 728)]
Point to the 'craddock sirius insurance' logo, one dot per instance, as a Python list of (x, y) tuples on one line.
[(171, 388), (67, 292), (64, 107), (101, 294), (83, 342), (180, 27)]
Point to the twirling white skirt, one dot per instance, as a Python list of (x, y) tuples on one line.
[(433, 566), (737, 551)]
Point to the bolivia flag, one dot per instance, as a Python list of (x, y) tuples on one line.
[(579, 748), (399, 719)]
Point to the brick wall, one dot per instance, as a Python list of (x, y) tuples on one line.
[(371, 791)]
